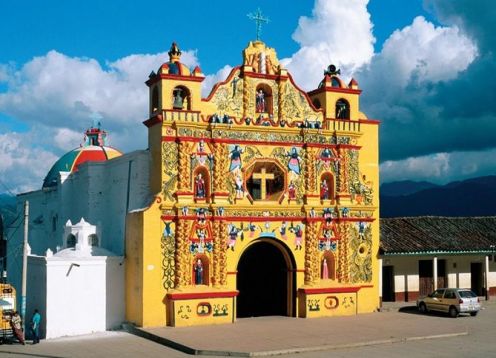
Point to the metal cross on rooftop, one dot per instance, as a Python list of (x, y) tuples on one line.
[(259, 19)]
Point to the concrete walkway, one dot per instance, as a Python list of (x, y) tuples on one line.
[(264, 336)]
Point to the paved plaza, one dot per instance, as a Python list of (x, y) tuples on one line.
[(396, 332)]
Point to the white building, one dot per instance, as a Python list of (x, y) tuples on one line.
[(73, 287), (420, 254)]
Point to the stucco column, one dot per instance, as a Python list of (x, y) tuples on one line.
[(434, 270), (486, 275), (380, 282)]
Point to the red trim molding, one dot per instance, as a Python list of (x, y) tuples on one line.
[(313, 291), (334, 89), (197, 295), (153, 120), (369, 121)]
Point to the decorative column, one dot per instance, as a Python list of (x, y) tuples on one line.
[(434, 270), (311, 254), (222, 258), (486, 276), (343, 190), (183, 274), (310, 180), (184, 167), (343, 253), (219, 176)]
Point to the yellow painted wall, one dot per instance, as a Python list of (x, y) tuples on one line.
[(174, 138)]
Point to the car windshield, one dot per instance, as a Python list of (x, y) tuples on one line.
[(467, 294)]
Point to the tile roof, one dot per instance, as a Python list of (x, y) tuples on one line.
[(430, 234)]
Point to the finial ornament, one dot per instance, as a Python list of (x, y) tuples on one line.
[(332, 71), (174, 52), (259, 19)]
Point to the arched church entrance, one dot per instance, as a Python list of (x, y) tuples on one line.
[(266, 280)]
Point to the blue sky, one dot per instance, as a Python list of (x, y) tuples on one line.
[(61, 61)]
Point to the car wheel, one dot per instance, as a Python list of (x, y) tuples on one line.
[(473, 314), (422, 308), (453, 312)]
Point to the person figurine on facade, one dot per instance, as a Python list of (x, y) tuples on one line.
[(291, 191), (282, 230), (200, 186), (199, 272), (233, 235), (35, 326), (235, 158), (16, 324), (325, 270), (238, 183), (324, 190), (294, 161), (260, 101)]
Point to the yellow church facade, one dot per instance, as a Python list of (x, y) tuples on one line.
[(266, 198)]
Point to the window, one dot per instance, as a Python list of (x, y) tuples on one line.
[(438, 293), (154, 107), (181, 98), (266, 181), (93, 240), (316, 103), (342, 109), (71, 241)]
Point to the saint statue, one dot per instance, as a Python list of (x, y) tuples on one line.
[(325, 270), (200, 186), (291, 191), (198, 272), (324, 190), (260, 101)]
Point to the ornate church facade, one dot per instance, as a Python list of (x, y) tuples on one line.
[(266, 198)]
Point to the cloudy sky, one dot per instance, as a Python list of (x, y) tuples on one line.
[(427, 70)]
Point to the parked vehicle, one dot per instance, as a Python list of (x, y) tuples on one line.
[(450, 300), (7, 308)]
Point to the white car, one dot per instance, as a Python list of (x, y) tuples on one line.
[(450, 300)]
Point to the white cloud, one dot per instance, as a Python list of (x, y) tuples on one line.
[(211, 80), (23, 164), (338, 32), (423, 52), (441, 167), (55, 88), (67, 139)]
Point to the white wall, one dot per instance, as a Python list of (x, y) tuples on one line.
[(97, 192), (406, 276)]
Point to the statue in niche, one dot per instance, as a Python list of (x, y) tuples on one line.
[(199, 186), (324, 190), (178, 99), (235, 158), (198, 272), (260, 101), (325, 270), (294, 161)]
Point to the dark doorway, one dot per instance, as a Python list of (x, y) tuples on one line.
[(426, 280), (264, 282), (388, 284), (476, 278)]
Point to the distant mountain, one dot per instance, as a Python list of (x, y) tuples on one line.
[(405, 187), (471, 197), (7, 208)]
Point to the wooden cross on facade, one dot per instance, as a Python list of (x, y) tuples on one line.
[(259, 19), (263, 176)]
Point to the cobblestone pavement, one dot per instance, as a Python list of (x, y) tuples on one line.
[(364, 333)]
